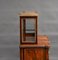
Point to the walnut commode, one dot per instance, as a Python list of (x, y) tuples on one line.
[(32, 46)]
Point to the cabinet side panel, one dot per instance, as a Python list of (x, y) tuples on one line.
[(20, 30), (21, 53), (47, 54)]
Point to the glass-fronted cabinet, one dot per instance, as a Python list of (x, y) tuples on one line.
[(28, 27), (32, 46)]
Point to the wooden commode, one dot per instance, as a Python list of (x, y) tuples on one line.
[(32, 46)]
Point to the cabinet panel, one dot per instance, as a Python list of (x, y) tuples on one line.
[(34, 54), (21, 54)]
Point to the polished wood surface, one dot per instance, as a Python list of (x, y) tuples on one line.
[(42, 41), (34, 53), (38, 50), (28, 13)]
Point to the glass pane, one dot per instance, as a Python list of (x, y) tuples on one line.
[(30, 39), (28, 30), (30, 26)]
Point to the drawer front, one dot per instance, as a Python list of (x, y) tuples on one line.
[(34, 54)]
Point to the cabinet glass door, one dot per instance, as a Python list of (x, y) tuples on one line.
[(29, 30)]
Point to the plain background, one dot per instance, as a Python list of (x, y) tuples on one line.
[(9, 25)]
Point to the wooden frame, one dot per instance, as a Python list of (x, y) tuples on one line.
[(21, 37)]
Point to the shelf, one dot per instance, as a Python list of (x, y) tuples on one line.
[(30, 29), (29, 34)]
